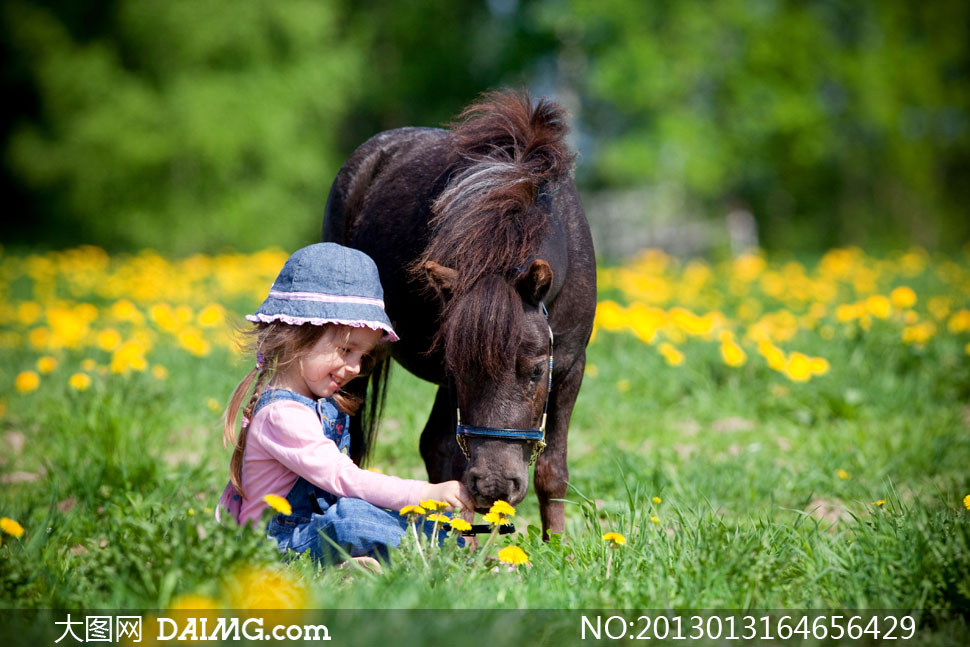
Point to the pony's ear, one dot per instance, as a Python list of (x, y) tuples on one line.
[(442, 278), (535, 283)]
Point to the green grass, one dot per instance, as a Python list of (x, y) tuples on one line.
[(121, 479)]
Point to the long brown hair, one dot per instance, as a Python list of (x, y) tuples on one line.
[(278, 345)]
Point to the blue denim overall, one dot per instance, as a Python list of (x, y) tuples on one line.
[(358, 527)]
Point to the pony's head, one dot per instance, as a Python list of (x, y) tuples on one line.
[(497, 348), (488, 225)]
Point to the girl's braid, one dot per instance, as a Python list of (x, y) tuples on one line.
[(235, 464), (261, 378)]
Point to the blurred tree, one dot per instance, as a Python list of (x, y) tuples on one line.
[(425, 61), (833, 121), (190, 125), (181, 125)]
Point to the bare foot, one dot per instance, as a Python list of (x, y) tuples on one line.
[(367, 563)]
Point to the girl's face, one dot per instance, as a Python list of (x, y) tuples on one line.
[(331, 362)]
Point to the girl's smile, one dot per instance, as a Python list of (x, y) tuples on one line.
[(333, 361)]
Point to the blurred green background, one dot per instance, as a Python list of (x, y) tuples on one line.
[(201, 125)]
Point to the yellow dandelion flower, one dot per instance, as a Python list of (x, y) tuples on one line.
[(878, 306), (592, 371), (847, 312), (11, 527), (879, 503), (125, 310), (798, 368), (88, 364), (460, 525), (212, 315), (959, 322), (109, 339), (818, 365), (28, 312), (919, 334), (213, 405), (623, 385), (966, 502), (610, 315), (192, 341), (431, 504), (842, 474), (129, 356), (191, 512), (80, 381), (903, 297), (774, 356), (46, 364), (438, 518), (655, 519), (671, 355), (733, 354), (657, 499), (39, 337), (502, 507), (410, 510), (967, 349), (27, 381), (266, 588), (615, 539), (513, 555), (495, 518), (278, 503), (159, 372)]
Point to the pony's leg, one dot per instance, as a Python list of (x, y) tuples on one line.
[(551, 472), (439, 449)]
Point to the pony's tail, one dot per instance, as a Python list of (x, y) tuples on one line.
[(257, 376), (371, 393)]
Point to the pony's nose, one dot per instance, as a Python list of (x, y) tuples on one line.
[(492, 487)]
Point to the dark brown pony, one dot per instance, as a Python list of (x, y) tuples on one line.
[(474, 230)]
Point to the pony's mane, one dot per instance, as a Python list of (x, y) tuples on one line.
[(486, 220), (483, 329)]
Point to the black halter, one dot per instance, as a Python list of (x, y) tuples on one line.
[(536, 435)]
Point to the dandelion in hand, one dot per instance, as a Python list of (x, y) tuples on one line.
[(278, 503)]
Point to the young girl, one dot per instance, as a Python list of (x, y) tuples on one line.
[(323, 316)]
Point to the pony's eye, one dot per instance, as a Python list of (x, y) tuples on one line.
[(536, 373)]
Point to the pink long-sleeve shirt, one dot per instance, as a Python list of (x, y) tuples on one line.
[(284, 442)]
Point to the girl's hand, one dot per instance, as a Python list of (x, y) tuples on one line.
[(453, 493)]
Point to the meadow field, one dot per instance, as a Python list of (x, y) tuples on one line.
[(764, 432)]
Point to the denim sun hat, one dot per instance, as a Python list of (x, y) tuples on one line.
[(327, 283)]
